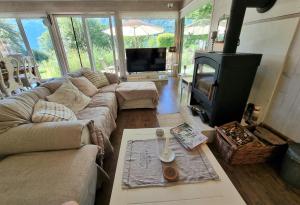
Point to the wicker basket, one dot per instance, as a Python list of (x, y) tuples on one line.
[(252, 152)]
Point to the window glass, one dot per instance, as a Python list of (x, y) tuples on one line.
[(195, 38), (11, 42), (102, 45), (74, 42), (148, 32), (42, 47)]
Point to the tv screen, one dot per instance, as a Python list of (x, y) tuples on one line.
[(146, 59)]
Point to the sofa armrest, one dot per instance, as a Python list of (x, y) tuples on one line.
[(44, 137)]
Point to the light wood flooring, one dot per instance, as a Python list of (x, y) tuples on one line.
[(258, 184)]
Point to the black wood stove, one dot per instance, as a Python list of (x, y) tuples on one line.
[(222, 80)]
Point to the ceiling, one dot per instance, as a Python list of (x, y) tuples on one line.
[(92, 0)]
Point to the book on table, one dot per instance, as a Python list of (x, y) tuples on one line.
[(187, 137)]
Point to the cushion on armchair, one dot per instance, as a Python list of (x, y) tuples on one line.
[(70, 96), (51, 112)]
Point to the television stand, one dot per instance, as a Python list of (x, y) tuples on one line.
[(147, 76)]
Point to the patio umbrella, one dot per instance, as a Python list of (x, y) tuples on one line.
[(135, 27), (198, 28)]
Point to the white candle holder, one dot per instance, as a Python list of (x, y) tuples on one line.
[(167, 155)]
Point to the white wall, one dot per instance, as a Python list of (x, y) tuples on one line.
[(284, 111), (271, 34)]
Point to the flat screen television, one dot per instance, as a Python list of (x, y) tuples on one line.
[(145, 59)]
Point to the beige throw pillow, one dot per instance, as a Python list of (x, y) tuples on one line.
[(85, 86), (97, 78), (70, 96), (51, 112)]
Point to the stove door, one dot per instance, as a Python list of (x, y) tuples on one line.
[(205, 78)]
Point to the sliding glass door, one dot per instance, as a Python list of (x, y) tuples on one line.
[(195, 36), (102, 44), (74, 42), (87, 42)]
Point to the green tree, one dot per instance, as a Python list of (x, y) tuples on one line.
[(10, 36), (203, 12), (165, 40), (40, 56)]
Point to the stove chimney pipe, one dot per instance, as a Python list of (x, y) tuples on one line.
[(237, 14)]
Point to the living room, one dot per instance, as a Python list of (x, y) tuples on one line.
[(99, 99)]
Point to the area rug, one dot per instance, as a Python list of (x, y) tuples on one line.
[(143, 167)]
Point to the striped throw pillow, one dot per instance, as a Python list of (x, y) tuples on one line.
[(45, 111), (97, 78)]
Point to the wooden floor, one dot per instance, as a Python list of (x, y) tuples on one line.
[(258, 184)]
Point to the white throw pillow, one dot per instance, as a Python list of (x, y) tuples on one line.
[(51, 112), (69, 95)]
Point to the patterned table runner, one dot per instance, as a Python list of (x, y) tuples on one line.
[(143, 167)]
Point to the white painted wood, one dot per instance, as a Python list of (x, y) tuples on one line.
[(113, 44), (150, 14), (284, 112), (273, 40), (86, 6), (281, 8), (10, 67), (58, 45), (24, 37), (210, 192), (121, 47), (89, 44)]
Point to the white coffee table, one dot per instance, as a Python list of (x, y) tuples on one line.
[(206, 193)]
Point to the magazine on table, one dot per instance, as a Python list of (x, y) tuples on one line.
[(188, 138)]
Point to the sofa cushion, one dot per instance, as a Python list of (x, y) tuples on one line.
[(49, 177), (41, 92), (103, 121), (45, 136), (51, 112), (108, 100), (70, 96), (54, 84), (16, 110), (85, 86), (112, 78), (97, 78), (109, 88), (76, 74)]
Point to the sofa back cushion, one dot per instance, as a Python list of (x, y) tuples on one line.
[(97, 78), (85, 86), (112, 78), (41, 92), (16, 110), (54, 84), (51, 112), (68, 95)]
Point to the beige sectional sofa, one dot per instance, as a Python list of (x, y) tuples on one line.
[(53, 162)]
